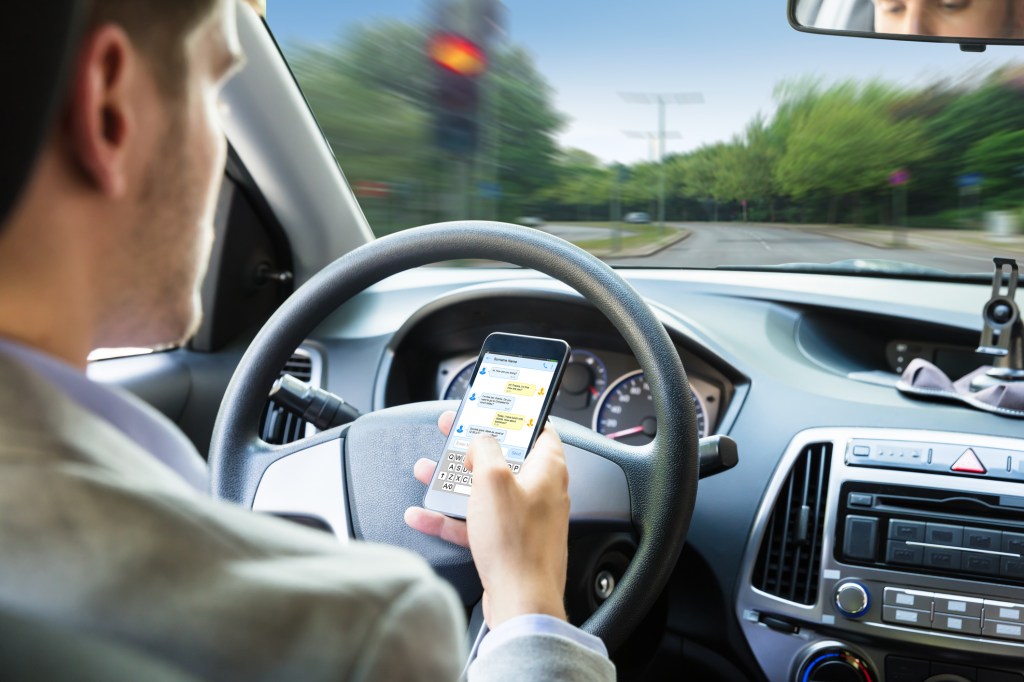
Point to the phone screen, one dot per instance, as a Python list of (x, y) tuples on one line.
[(505, 400)]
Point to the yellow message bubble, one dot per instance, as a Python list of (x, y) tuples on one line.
[(519, 388), (504, 420)]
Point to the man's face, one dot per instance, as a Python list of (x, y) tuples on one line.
[(171, 235), (949, 18)]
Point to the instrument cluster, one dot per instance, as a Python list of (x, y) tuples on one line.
[(603, 390)]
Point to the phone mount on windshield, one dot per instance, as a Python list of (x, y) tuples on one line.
[(1003, 333)]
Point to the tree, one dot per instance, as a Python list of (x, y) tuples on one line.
[(845, 140), (1000, 159), (582, 184)]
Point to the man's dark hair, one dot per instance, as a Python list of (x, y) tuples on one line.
[(158, 28)]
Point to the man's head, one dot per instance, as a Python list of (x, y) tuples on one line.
[(130, 173), (951, 18)]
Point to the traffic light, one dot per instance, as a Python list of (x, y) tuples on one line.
[(458, 63)]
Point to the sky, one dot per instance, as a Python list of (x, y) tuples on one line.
[(733, 52)]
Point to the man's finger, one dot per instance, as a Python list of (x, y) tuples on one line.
[(445, 422), (441, 526), (423, 470)]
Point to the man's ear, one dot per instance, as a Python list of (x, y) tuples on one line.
[(101, 119)]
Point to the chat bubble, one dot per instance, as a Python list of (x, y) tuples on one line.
[(518, 388), (497, 434), (504, 373), (495, 401), (512, 422)]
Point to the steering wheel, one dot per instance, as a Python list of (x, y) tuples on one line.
[(649, 489)]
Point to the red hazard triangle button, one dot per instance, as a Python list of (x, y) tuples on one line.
[(969, 464)]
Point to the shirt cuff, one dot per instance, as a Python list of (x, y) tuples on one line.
[(537, 624)]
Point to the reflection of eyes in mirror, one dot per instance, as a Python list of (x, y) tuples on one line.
[(950, 18), (929, 18)]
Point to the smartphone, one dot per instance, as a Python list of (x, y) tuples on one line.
[(514, 383)]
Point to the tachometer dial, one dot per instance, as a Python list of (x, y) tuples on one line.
[(584, 381), (626, 411)]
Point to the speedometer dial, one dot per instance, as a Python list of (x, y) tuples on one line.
[(626, 411)]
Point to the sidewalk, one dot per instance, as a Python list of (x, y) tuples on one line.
[(969, 241)]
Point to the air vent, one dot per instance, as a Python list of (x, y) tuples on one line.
[(789, 560), (278, 426)]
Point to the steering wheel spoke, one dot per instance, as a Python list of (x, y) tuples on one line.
[(305, 483)]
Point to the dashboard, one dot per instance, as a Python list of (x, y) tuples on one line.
[(795, 567)]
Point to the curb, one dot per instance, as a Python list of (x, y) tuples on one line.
[(645, 251)]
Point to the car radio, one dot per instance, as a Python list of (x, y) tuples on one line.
[(889, 552), (932, 531)]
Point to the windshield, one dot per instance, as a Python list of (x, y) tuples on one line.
[(670, 134)]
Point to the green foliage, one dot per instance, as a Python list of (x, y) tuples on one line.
[(1000, 159), (846, 140)]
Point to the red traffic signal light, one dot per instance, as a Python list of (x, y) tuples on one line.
[(457, 54)]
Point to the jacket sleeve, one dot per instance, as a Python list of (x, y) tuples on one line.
[(541, 657)]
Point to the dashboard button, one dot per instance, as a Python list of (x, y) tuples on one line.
[(860, 500), (901, 553), (944, 534), (910, 599), (1004, 611), (852, 599), (943, 559), (958, 606), (1013, 543), (894, 614), (984, 564), (994, 628), (948, 673), (1012, 568), (861, 450), (969, 463), (979, 538), (902, 669), (962, 624), (860, 541), (909, 531)]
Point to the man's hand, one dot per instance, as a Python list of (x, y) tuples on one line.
[(517, 527)]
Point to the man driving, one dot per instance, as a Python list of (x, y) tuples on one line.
[(105, 523), (951, 18)]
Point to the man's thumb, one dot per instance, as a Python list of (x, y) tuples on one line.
[(484, 453)]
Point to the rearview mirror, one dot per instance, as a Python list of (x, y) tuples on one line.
[(971, 23)]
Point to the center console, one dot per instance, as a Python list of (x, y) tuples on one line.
[(881, 554)]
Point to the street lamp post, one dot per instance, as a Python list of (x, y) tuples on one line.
[(652, 137), (662, 99)]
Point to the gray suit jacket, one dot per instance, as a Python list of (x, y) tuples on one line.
[(97, 535)]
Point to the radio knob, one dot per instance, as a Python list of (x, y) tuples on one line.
[(834, 664), (852, 599)]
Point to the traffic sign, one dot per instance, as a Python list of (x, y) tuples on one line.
[(969, 180), (489, 190), (899, 178)]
